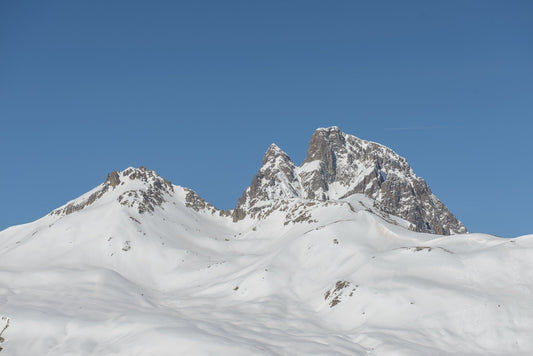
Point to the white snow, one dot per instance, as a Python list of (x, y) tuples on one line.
[(197, 283), (310, 166)]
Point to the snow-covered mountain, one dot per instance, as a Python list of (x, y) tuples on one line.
[(139, 266), (338, 165)]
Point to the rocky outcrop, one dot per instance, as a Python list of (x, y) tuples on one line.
[(113, 179), (338, 165)]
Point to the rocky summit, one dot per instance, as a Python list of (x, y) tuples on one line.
[(339, 165)]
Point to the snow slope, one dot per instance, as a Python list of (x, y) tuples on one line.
[(334, 277)]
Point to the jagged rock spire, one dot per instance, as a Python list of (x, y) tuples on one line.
[(277, 179)]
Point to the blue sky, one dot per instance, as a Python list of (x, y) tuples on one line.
[(198, 90)]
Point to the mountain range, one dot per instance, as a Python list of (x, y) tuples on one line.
[(348, 253), (337, 166)]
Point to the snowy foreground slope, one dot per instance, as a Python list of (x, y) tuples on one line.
[(139, 266)]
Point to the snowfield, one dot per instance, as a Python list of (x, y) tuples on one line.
[(323, 278)]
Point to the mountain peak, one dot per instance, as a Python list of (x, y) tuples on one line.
[(274, 153), (140, 187), (274, 147), (339, 165)]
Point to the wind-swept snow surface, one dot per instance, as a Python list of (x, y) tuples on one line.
[(161, 272)]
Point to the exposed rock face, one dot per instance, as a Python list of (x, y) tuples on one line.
[(339, 165)]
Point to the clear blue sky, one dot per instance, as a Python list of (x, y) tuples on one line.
[(198, 90)]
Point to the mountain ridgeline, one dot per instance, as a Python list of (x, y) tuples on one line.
[(339, 165)]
